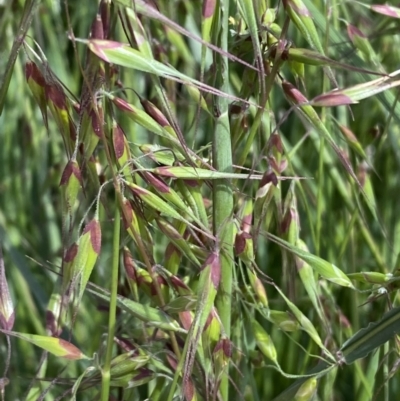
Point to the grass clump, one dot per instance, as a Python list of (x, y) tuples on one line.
[(198, 200)]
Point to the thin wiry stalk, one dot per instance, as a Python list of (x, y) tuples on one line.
[(105, 378)]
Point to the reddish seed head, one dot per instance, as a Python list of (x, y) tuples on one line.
[(71, 253), (156, 182), (214, 261), (191, 183), (93, 227), (386, 10), (56, 95), (286, 222), (276, 142), (171, 360), (186, 319), (155, 113), (144, 372), (165, 171), (188, 390), (118, 141), (208, 8), (240, 242), (97, 121), (353, 31), (72, 352), (171, 249), (98, 46), (128, 214), (126, 345), (105, 16), (71, 168), (51, 324), (332, 99), (122, 104), (96, 31), (348, 133), (129, 265), (268, 177), (178, 283), (293, 93), (246, 223), (225, 345), (298, 7), (273, 163), (32, 71)]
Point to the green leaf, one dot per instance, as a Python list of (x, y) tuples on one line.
[(55, 346), (327, 270), (370, 338), (151, 316)]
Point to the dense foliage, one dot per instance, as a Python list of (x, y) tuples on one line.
[(199, 199)]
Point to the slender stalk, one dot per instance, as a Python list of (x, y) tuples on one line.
[(105, 379), (222, 191)]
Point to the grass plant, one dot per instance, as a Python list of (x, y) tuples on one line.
[(199, 200)]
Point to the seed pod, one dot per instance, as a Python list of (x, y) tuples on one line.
[(127, 363), (212, 331), (135, 226), (222, 354), (307, 390), (161, 155), (258, 287), (309, 281), (244, 248), (60, 107), (302, 18), (264, 341), (362, 43), (191, 192), (89, 246), (71, 182), (291, 222), (173, 258), (268, 182), (177, 239), (181, 304), (246, 215), (158, 116), (37, 84), (55, 346), (371, 277), (92, 127), (283, 320), (68, 272), (166, 192), (152, 316), (55, 312), (144, 119), (121, 150), (143, 376), (352, 140)]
